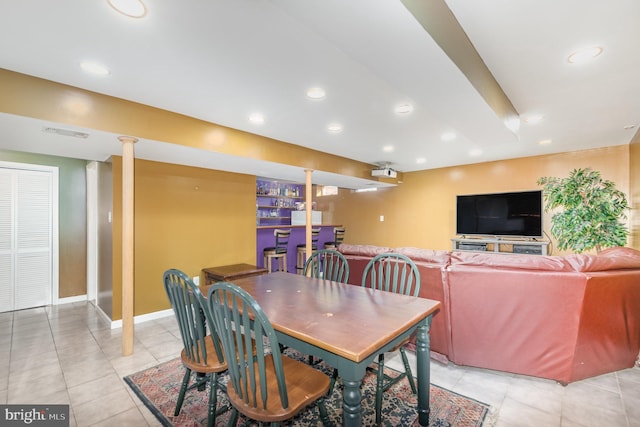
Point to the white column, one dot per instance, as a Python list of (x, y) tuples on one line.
[(127, 242)]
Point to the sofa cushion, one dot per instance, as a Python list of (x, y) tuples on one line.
[(362, 250), (617, 258), (511, 261), (425, 255)]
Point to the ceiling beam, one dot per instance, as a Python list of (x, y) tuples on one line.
[(439, 21)]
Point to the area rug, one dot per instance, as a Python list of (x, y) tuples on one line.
[(158, 388)]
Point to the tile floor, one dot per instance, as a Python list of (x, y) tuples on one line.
[(69, 355)]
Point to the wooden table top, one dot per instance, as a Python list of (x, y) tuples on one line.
[(347, 320), (225, 271)]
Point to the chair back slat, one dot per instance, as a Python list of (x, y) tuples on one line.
[(392, 272), (243, 326), (327, 264), (315, 235), (189, 308), (282, 239)]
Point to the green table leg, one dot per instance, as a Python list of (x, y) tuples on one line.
[(423, 354), (352, 403), (352, 374)]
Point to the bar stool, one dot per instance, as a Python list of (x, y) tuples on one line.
[(302, 249), (338, 237), (279, 251)]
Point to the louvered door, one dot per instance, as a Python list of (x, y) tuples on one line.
[(6, 240), (25, 238)]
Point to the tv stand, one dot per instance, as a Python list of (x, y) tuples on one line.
[(500, 245)]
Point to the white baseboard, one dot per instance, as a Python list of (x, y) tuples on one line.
[(144, 318), (69, 300)]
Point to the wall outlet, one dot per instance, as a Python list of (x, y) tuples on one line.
[(196, 280), (381, 218)]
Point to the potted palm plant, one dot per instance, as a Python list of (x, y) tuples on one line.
[(589, 211)]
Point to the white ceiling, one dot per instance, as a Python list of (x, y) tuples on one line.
[(221, 60)]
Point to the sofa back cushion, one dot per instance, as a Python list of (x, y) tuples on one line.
[(617, 258), (363, 250), (425, 255), (511, 261)]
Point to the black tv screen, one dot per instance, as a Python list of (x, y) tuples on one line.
[(517, 214)]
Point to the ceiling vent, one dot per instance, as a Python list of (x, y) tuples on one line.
[(65, 132)]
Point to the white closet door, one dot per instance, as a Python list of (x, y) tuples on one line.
[(33, 240), (26, 236), (6, 240)]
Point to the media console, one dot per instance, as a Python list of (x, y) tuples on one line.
[(496, 244)]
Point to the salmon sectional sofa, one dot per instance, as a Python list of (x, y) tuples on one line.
[(564, 318)]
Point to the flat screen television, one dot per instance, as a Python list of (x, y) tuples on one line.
[(517, 214)]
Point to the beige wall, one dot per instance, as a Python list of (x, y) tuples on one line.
[(185, 218), (421, 211)]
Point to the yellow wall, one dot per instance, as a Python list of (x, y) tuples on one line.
[(191, 218), (185, 218), (421, 211)]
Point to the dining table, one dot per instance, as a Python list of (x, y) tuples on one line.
[(346, 326)]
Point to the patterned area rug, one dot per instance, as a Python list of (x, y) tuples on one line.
[(158, 388)]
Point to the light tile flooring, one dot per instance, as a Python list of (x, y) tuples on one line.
[(68, 355)]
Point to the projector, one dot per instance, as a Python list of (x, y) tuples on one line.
[(386, 173)]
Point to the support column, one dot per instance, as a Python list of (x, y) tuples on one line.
[(127, 242), (309, 207)]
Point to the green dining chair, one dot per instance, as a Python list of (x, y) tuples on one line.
[(202, 352), (266, 386), (330, 265), (327, 264), (396, 273)]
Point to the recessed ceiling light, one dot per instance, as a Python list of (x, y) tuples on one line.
[(421, 160), (256, 118), (448, 136), (534, 119), (388, 148), (94, 68), (316, 93), (404, 109), (334, 128), (130, 8), (544, 142), (585, 54)]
